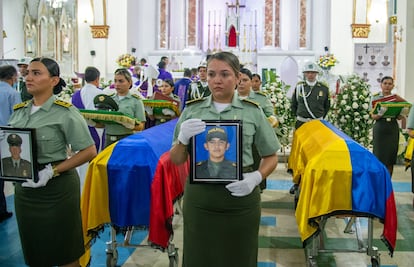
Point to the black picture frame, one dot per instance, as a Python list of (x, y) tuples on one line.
[(202, 166), (27, 163)]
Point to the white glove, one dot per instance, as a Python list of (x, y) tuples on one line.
[(2, 135), (44, 176), (244, 187), (149, 110), (128, 125), (404, 112), (168, 112), (90, 122), (382, 111), (189, 128)]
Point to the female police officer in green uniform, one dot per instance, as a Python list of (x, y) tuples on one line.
[(48, 212), (129, 104), (221, 223)]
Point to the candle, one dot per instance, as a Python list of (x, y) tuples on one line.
[(214, 18), (255, 17), (209, 13), (219, 18), (395, 7)]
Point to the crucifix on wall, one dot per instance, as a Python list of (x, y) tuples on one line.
[(233, 24)]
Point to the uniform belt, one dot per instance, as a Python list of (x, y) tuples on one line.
[(388, 119), (41, 166), (116, 137), (248, 169), (302, 119)]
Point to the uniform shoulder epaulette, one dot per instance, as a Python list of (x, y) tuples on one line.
[(251, 102), (200, 163), (300, 82), (190, 102), (136, 96), (111, 94), (20, 105), (62, 103), (234, 164), (376, 94), (323, 83), (261, 93)]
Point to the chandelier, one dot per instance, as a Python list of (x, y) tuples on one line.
[(56, 4)]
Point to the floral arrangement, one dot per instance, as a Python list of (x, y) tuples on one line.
[(126, 60), (327, 61), (351, 107), (104, 83), (66, 93), (276, 90)]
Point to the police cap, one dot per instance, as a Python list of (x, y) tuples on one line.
[(216, 132), (14, 140), (310, 67), (24, 61), (202, 64), (105, 102)]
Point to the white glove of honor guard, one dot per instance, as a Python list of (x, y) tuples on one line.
[(189, 128), (44, 176), (168, 112), (149, 110), (244, 187), (90, 122), (128, 125), (2, 135), (382, 111)]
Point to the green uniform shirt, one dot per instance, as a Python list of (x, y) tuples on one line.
[(256, 128), (130, 105), (263, 101), (57, 125)]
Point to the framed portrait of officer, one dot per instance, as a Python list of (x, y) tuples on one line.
[(18, 155), (216, 154)]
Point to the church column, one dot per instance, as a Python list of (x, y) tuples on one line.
[(194, 18), (163, 32)]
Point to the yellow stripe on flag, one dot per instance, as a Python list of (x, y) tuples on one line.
[(95, 194)]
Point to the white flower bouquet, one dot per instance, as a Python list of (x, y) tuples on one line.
[(276, 90), (351, 110)]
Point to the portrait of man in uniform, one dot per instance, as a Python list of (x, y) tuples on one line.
[(216, 166), (14, 165)]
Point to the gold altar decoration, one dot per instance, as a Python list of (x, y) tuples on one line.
[(100, 31), (360, 24), (360, 30)]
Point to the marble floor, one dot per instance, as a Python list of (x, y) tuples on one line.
[(279, 242)]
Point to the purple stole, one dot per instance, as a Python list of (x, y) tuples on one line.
[(77, 102)]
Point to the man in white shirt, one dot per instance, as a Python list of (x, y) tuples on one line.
[(83, 99), (88, 92)]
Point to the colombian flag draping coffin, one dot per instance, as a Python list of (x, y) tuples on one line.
[(119, 187), (339, 176)]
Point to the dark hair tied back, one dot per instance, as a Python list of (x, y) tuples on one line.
[(59, 87)]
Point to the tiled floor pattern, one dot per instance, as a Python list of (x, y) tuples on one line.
[(279, 242)]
